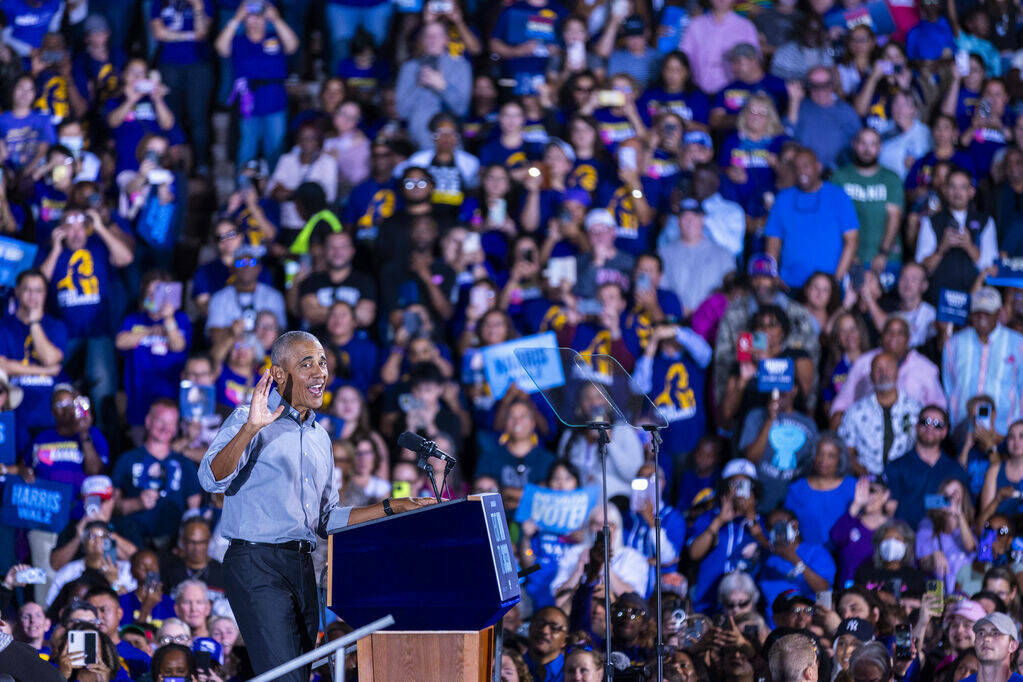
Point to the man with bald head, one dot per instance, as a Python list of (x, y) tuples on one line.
[(917, 376), (812, 226), (278, 499), (878, 427)]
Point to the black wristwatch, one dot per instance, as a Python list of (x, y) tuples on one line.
[(387, 507)]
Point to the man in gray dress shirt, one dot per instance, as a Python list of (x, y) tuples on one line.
[(275, 471)]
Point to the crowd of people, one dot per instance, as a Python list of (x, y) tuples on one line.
[(796, 224)]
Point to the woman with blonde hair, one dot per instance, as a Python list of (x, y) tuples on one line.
[(750, 154)]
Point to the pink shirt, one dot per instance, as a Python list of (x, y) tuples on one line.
[(918, 377), (706, 42)]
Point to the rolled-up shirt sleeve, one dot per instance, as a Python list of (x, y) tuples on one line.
[(232, 425), (332, 516)]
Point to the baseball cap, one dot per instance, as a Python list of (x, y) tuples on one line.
[(691, 205), (578, 195), (98, 486), (986, 300), (1000, 622), (246, 251), (211, 645), (697, 137), (632, 600), (742, 50), (600, 216), (857, 627), (739, 467), (788, 599), (633, 26), (762, 264), (968, 609), (95, 23), (64, 387)]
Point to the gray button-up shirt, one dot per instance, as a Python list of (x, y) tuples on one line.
[(282, 488)]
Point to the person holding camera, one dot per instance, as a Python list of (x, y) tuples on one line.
[(140, 110), (728, 537)]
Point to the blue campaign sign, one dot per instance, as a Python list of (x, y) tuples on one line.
[(1010, 273), (43, 505), (875, 15), (953, 306), (556, 511), (7, 451), (197, 401), (15, 257), (775, 373), (502, 365)]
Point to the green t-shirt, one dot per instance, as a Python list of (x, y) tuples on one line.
[(870, 195)]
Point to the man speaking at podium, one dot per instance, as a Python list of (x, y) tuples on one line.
[(275, 469)]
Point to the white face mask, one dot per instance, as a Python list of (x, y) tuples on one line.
[(74, 144), (892, 549)]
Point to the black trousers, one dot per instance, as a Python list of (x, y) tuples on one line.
[(273, 596)]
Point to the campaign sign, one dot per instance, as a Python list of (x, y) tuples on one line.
[(1010, 273), (874, 15), (556, 511), (953, 306), (775, 373), (197, 401), (7, 453), (502, 365), (43, 505), (15, 257)]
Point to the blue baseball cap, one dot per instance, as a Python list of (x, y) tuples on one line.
[(697, 137), (212, 646)]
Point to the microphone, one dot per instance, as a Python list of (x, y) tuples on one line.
[(416, 443)]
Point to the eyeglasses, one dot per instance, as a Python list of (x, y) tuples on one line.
[(179, 639), (808, 610), (416, 184), (548, 625), (224, 236), (246, 262), (629, 614), (931, 422), (63, 404), (820, 86), (1002, 530), (96, 536), (445, 133), (733, 605)]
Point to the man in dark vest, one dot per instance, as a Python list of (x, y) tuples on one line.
[(958, 242)]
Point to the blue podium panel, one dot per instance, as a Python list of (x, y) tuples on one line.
[(448, 566)]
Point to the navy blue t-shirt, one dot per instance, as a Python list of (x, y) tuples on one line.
[(28, 22), (175, 477), (16, 345), (179, 15), (521, 22), (689, 106), (139, 122), (265, 66), (81, 288), (152, 369), (733, 96)]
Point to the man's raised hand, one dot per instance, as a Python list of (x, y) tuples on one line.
[(259, 411)]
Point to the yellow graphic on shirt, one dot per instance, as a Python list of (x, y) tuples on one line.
[(640, 323), (380, 207), (79, 286), (623, 207), (553, 320), (600, 370), (676, 400), (30, 352), (53, 98), (516, 160), (106, 82), (585, 176)]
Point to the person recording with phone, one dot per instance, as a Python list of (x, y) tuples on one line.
[(728, 537), (272, 478), (154, 342)]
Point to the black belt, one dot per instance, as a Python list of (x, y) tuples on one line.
[(293, 545)]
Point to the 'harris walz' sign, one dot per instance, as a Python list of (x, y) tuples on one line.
[(43, 505)]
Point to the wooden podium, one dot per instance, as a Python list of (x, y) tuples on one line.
[(446, 573), (427, 656)]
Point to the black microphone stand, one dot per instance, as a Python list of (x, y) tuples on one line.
[(603, 439), (655, 436), (423, 463)]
